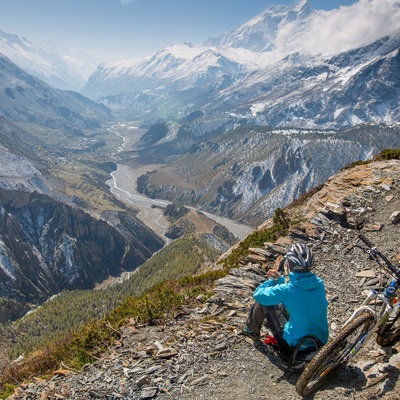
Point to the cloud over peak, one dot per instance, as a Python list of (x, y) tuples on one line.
[(344, 28)]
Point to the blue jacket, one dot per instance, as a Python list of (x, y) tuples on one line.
[(304, 298)]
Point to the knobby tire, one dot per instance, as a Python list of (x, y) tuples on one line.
[(335, 352)]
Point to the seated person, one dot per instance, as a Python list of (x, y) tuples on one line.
[(293, 309)]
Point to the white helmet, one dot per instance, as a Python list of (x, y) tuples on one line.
[(300, 258)]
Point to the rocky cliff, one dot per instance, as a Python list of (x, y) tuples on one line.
[(199, 354), (47, 246), (60, 228)]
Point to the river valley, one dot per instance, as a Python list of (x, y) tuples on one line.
[(123, 185)]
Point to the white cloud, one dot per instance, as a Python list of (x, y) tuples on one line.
[(344, 28)]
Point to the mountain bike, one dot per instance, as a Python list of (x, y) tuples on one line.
[(379, 313)]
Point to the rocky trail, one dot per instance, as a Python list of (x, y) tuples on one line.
[(200, 353)]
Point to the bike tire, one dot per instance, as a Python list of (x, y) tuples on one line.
[(334, 353)]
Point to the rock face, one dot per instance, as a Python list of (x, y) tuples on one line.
[(47, 246), (200, 355)]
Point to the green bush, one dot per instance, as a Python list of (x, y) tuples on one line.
[(8, 390), (389, 154), (386, 154)]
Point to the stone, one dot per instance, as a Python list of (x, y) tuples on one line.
[(312, 231), (167, 353), (63, 372), (256, 258), (144, 380), (372, 282), (372, 227), (395, 217), (385, 187), (148, 394), (221, 346), (394, 361), (94, 395), (200, 381), (368, 273)]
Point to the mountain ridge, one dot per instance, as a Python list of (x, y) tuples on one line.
[(260, 32), (256, 170), (25, 98), (48, 246)]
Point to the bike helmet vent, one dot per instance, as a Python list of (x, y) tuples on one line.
[(300, 257)]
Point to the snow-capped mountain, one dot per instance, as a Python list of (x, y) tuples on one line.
[(58, 71), (357, 86), (261, 33), (179, 68), (270, 71)]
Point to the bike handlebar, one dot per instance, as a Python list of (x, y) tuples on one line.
[(373, 251)]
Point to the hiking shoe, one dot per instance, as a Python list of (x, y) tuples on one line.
[(249, 333)]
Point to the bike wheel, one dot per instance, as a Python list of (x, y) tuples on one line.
[(335, 352)]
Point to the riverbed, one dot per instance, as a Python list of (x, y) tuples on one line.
[(123, 185)]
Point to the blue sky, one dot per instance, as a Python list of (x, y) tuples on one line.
[(123, 29)]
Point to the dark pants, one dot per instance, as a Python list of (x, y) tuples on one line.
[(276, 317)]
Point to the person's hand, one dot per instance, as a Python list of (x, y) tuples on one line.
[(273, 273)]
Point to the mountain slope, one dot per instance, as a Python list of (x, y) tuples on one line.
[(24, 98), (47, 66), (51, 241), (358, 86), (354, 87), (246, 173), (61, 229), (48, 246)]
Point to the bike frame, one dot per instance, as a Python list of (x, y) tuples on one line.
[(386, 298), (381, 317)]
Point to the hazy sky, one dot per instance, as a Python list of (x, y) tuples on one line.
[(123, 29)]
